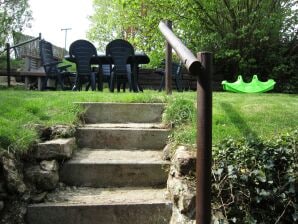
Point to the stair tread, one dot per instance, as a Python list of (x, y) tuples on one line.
[(105, 196), (118, 156), (126, 126)]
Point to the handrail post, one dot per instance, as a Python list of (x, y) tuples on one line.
[(8, 63), (202, 67), (204, 139), (168, 63)]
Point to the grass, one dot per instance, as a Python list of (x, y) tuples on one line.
[(234, 115), (258, 116)]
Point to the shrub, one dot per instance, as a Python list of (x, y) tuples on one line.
[(254, 180)]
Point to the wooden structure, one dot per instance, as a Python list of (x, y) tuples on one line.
[(27, 48), (148, 79)]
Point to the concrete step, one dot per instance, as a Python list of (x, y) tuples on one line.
[(133, 136), (115, 168), (103, 206), (122, 112), (60, 148)]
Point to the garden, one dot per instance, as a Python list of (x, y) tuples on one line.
[(254, 136)]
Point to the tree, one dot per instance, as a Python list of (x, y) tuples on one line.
[(14, 15), (247, 36)]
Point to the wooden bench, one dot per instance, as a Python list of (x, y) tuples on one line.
[(29, 75), (31, 62)]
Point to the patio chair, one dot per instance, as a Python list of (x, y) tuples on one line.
[(176, 75), (52, 70), (83, 51), (120, 51), (106, 71)]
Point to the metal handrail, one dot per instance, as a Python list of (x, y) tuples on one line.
[(26, 42), (202, 68), (187, 57)]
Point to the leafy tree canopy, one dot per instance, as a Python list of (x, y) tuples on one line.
[(14, 15), (247, 36)]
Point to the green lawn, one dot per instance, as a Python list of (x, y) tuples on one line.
[(234, 115)]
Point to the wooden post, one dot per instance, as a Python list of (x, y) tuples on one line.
[(204, 139), (168, 65), (8, 63)]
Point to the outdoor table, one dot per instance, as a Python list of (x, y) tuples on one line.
[(135, 61)]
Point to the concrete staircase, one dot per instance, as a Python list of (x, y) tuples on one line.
[(118, 172)]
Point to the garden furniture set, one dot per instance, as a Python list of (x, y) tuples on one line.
[(118, 66)]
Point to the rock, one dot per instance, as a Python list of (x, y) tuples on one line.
[(3, 196), (62, 131), (1, 205), (167, 152), (181, 186), (183, 194), (178, 218), (59, 149), (25, 197), (57, 131), (49, 165), (45, 175), (12, 175), (37, 198), (184, 161), (3, 192), (43, 132), (2, 187), (14, 212)]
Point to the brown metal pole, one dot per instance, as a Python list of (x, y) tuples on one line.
[(186, 56), (8, 63), (168, 68), (204, 139)]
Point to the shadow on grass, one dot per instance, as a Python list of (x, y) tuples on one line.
[(238, 121)]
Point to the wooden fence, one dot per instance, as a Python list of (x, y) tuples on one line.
[(32, 49)]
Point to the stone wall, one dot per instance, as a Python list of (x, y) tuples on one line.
[(181, 186), (28, 178)]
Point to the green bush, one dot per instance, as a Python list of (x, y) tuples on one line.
[(254, 181), (14, 63)]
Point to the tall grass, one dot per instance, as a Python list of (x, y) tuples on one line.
[(234, 115)]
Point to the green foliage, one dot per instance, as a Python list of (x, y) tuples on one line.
[(14, 15), (254, 181), (247, 37), (73, 67), (14, 63)]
